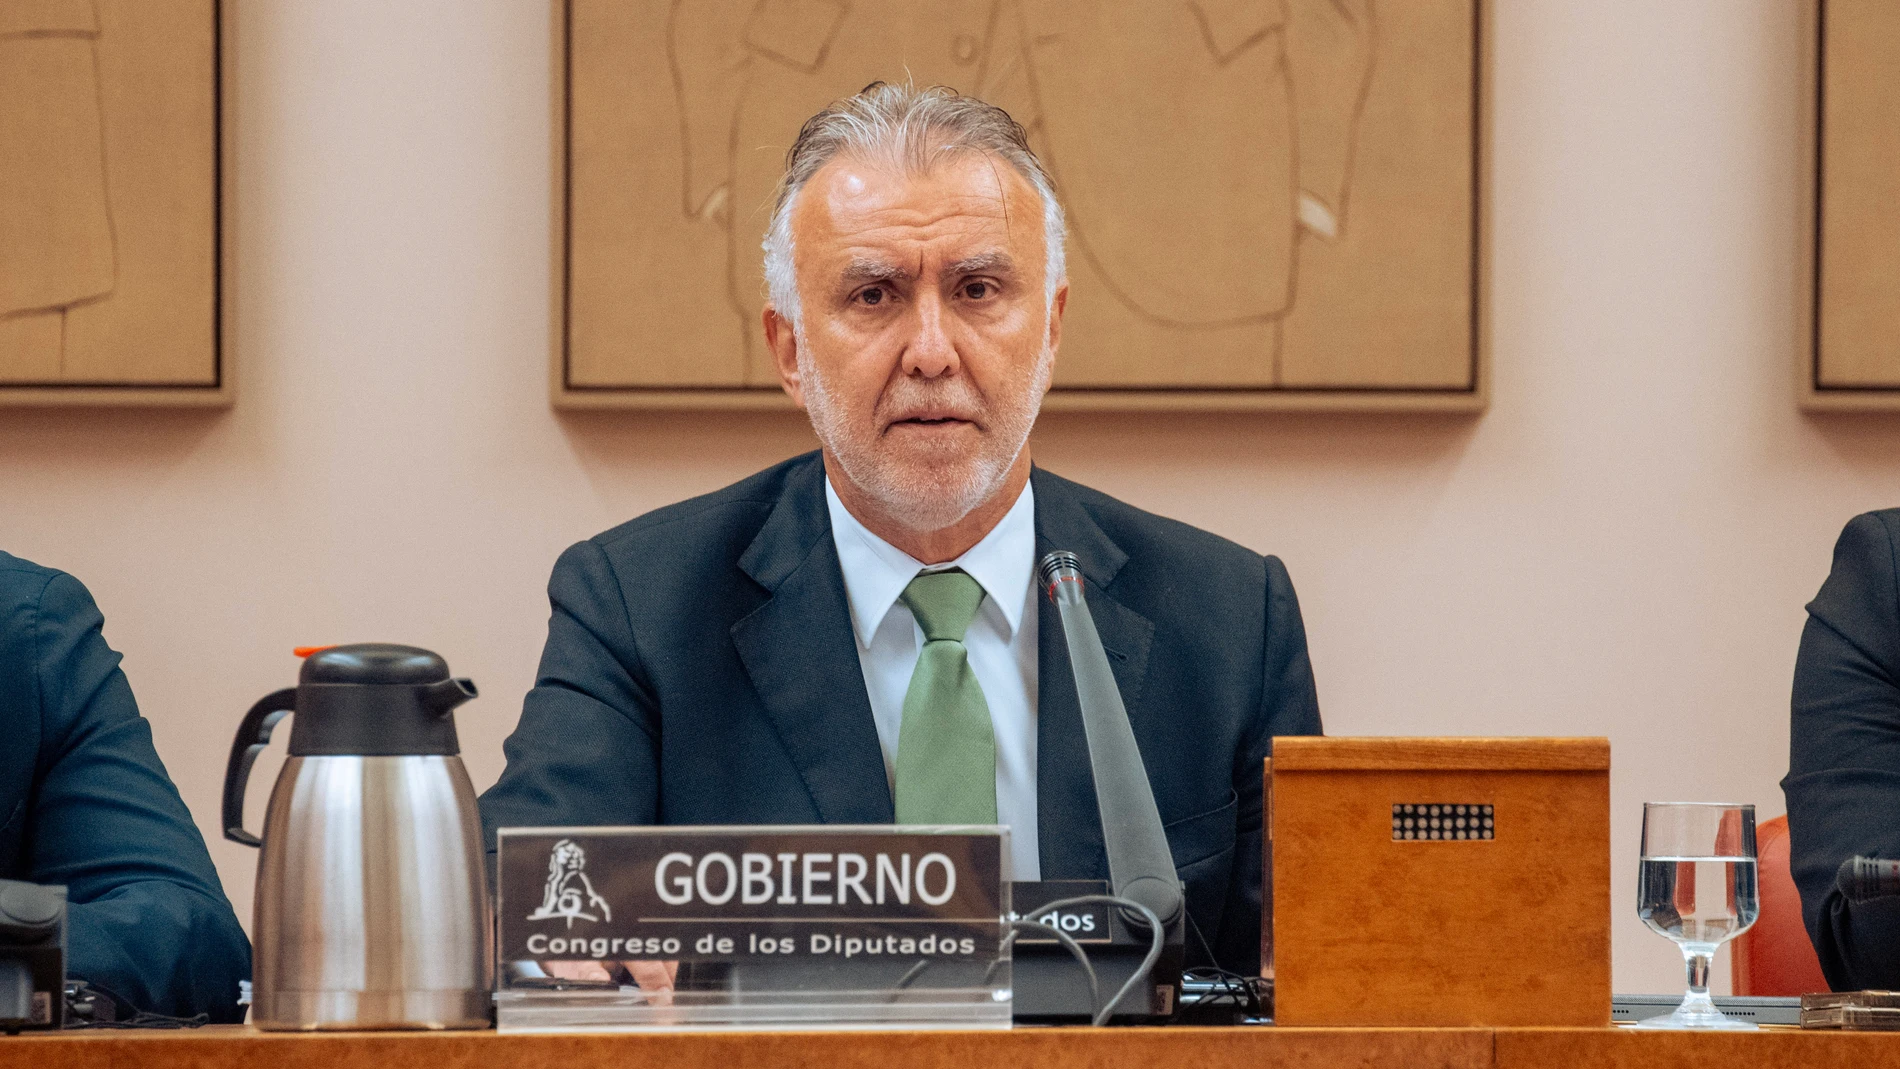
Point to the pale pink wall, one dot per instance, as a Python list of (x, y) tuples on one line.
[(1622, 545)]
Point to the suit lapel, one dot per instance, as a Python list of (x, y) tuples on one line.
[(1069, 825), (799, 652)]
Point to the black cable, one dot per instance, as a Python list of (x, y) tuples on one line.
[(1231, 985), (139, 1019), (148, 1019), (1225, 989), (1206, 947)]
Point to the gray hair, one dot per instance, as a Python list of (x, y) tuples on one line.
[(914, 128)]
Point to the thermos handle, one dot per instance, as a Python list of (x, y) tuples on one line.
[(253, 735)]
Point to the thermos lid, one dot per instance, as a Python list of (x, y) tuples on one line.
[(376, 699), (375, 663)]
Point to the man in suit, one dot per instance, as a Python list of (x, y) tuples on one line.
[(1843, 783), (84, 802), (855, 636)]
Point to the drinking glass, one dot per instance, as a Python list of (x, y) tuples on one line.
[(1697, 887)]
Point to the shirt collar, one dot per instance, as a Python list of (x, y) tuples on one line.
[(876, 572)]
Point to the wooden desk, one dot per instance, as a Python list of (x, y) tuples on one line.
[(1032, 1048), (1173, 1048), (1628, 1048)]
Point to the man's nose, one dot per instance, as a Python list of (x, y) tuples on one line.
[(930, 353)]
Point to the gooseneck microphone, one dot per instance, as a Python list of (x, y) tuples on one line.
[(1140, 865), (1862, 878)]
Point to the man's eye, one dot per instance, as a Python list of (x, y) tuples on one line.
[(976, 291), (874, 295)]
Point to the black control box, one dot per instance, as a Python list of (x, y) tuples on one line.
[(1050, 988), (32, 956)]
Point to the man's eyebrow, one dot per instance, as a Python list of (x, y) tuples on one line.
[(983, 263), (863, 269)]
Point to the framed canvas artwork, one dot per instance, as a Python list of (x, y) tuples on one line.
[(109, 278), (1853, 361), (1272, 203)]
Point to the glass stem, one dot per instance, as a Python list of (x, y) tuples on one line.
[(1698, 962)]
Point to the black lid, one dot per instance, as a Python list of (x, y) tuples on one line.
[(376, 699), (373, 663)]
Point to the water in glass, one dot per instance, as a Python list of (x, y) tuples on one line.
[(1698, 901)]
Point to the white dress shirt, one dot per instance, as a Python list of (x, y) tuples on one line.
[(1001, 643)]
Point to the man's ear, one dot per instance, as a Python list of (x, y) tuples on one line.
[(782, 339), (1056, 308)]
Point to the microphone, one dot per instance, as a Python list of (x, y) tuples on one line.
[(1140, 865), (1862, 878)]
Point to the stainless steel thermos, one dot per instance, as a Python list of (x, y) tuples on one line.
[(371, 907)]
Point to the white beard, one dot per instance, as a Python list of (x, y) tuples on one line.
[(943, 490)]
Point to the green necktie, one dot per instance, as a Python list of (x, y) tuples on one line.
[(946, 748)]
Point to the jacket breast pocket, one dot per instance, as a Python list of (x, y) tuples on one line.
[(1203, 836), (1203, 850)]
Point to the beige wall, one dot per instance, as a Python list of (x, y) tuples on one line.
[(1622, 545)]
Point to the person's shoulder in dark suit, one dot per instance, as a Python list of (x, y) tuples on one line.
[(85, 802), (1843, 782), (1208, 589)]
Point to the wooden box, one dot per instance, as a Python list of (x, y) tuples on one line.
[(1439, 882)]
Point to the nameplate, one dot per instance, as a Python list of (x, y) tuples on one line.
[(733, 894)]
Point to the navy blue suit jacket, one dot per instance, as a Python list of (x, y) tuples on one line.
[(700, 669), (1843, 783), (85, 802)]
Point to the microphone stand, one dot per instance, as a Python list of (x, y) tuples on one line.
[(1140, 865)]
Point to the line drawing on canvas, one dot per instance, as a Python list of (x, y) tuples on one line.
[(1188, 217), (58, 248)]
